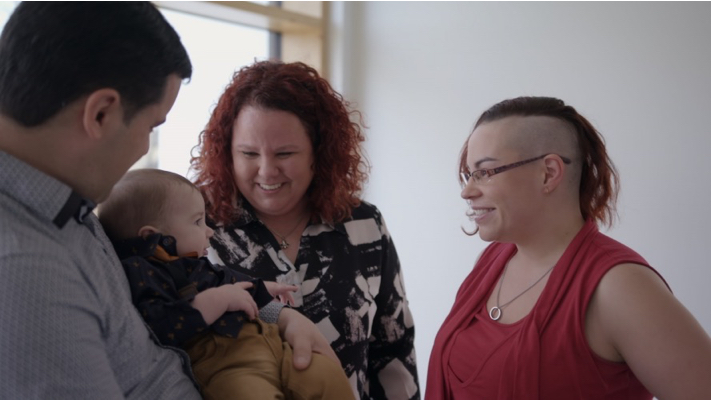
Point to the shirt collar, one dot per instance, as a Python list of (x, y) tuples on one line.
[(75, 206), (247, 216), (145, 247), (42, 194)]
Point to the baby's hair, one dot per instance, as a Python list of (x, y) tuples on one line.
[(140, 198)]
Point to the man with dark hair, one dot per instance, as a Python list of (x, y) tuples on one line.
[(82, 85), (53, 54)]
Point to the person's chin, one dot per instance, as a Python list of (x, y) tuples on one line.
[(262, 210), (486, 238), (487, 235), (271, 207)]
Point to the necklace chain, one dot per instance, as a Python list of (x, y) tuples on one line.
[(284, 244), (496, 311)]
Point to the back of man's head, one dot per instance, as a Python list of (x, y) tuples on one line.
[(53, 53)]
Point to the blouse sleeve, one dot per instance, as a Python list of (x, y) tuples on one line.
[(392, 367)]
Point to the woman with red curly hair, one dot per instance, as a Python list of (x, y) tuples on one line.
[(281, 168), (554, 309)]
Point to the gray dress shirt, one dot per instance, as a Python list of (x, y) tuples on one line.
[(68, 329)]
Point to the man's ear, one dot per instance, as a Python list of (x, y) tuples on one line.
[(102, 112), (147, 230)]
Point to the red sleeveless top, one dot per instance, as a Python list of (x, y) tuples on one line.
[(545, 355)]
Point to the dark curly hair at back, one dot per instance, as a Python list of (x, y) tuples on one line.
[(599, 181), (340, 168)]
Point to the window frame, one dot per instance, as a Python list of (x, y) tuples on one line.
[(302, 25)]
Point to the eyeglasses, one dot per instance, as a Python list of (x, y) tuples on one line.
[(479, 175)]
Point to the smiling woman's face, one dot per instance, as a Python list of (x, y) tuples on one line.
[(503, 205), (272, 160)]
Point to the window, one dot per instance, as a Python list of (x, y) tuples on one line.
[(220, 39), (6, 8), (217, 49)]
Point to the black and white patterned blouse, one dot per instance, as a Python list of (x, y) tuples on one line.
[(350, 286)]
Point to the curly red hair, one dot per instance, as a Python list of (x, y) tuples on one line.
[(340, 168)]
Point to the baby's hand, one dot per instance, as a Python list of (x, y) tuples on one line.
[(239, 299), (281, 291), (214, 302)]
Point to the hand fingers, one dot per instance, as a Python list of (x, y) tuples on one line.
[(287, 298), (244, 285), (242, 300), (328, 352), (281, 288), (249, 307), (302, 353), (255, 309)]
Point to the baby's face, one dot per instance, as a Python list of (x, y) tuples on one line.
[(185, 221)]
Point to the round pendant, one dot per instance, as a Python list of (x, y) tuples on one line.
[(495, 313), (284, 245)]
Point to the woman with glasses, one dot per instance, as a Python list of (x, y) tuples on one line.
[(554, 309), (281, 168)]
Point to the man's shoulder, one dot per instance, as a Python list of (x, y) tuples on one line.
[(35, 242), (32, 255), (22, 231)]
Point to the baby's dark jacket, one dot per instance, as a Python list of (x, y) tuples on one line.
[(163, 285)]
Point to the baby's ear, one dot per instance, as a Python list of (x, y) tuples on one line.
[(147, 230)]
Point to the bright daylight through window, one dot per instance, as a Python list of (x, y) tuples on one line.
[(217, 49)]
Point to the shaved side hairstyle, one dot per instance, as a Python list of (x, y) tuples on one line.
[(599, 181)]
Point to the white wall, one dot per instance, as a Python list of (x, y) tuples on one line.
[(422, 72)]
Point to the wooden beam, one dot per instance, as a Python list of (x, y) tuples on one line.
[(251, 14)]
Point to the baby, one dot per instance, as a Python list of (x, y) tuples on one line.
[(156, 221)]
